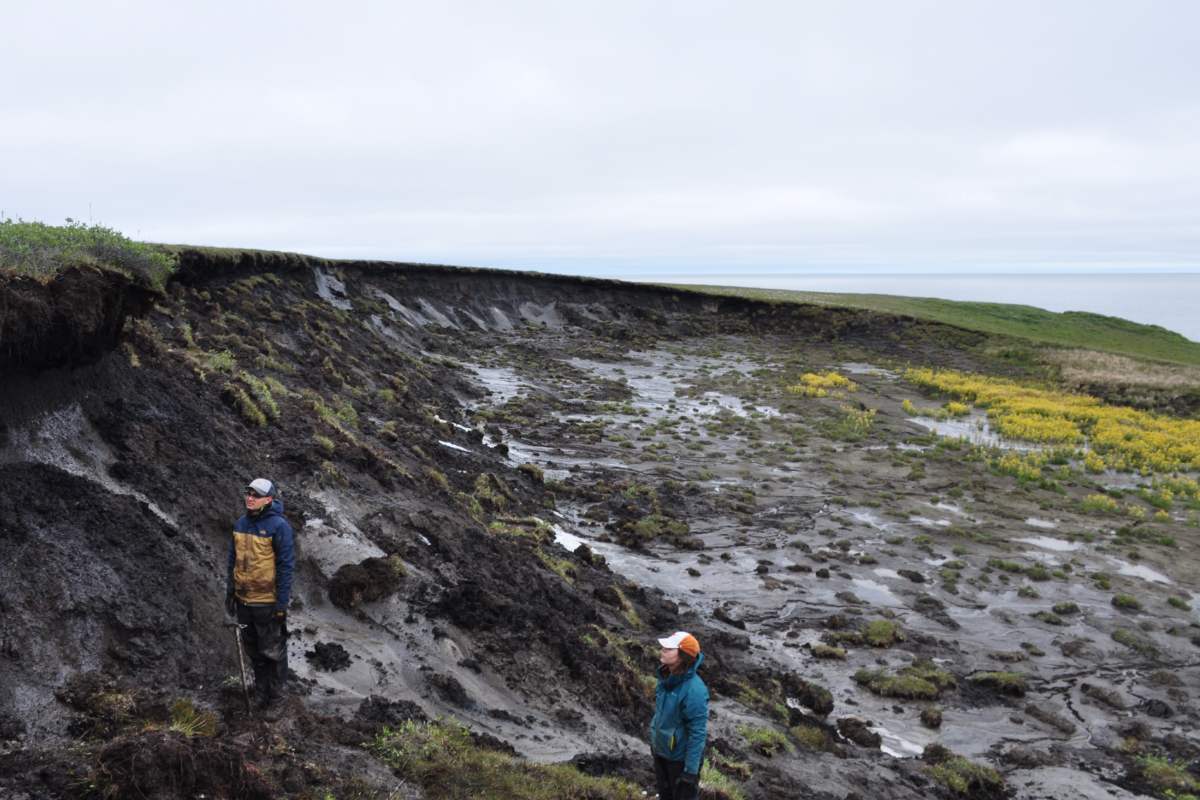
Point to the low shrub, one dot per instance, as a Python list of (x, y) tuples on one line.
[(41, 250)]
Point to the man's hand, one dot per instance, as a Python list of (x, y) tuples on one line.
[(687, 787), (230, 604)]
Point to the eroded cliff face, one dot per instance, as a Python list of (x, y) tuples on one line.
[(73, 318), (504, 487)]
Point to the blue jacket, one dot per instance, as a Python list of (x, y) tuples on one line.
[(680, 725), (262, 558)]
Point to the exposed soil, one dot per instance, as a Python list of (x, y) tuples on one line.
[(504, 488)]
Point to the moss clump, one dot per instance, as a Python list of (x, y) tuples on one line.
[(966, 778), (559, 566), (653, 526), (1167, 776), (882, 633), (1048, 617), (1134, 642), (765, 741), (718, 786), (826, 651), (810, 737), (533, 471), (1010, 683), (324, 443), (1179, 602), (1066, 609), (442, 758), (492, 492), (1036, 572), (236, 396), (919, 681), (188, 720), (438, 478), (1126, 602), (262, 394)]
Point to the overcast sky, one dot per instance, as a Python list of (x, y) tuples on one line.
[(615, 138)]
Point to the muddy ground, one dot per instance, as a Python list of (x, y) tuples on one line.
[(504, 488)]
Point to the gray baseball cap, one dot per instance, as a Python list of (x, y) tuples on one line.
[(263, 486)]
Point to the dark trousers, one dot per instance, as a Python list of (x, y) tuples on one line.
[(265, 640), (666, 773)]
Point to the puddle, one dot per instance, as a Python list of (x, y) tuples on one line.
[(1048, 543), (503, 383), (875, 592), (869, 518), (884, 572), (973, 428), (1045, 524), (950, 507), (453, 446), (654, 388), (1139, 571), (1122, 480), (930, 523), (861, 368)]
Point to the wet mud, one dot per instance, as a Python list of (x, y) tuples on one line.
[(504, 487)]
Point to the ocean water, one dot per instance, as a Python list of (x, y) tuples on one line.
[(1168, 300)]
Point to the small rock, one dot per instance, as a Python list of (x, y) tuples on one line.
[(931, 717)]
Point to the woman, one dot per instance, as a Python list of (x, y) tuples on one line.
[(680, 724)]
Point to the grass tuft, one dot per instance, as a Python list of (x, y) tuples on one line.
[(441, 757)]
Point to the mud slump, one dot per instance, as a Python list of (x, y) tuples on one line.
[(506, 487), (790, 528)]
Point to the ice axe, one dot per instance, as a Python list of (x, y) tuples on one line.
[(237, 635)]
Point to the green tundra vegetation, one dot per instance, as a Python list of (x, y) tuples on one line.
[(1066, 329), (41, 250)]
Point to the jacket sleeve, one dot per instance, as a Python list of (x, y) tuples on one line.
[(285, 563), (695, 714)]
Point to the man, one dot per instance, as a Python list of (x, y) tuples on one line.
[(259, 585)]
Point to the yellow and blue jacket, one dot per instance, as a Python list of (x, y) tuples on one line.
[(262, 558)]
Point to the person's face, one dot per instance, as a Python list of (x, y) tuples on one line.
[(255, 501), (669, 657)]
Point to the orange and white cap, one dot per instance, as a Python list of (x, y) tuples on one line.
[(682, 640)]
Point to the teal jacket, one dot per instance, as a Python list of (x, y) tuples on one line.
[(680, 725)]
